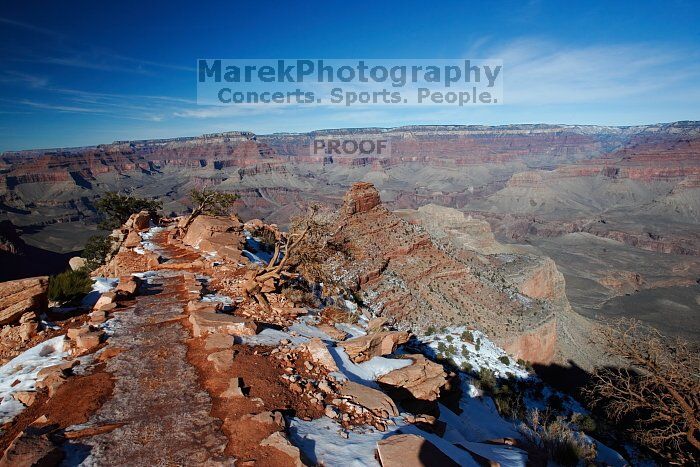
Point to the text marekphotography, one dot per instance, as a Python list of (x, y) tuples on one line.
[(350, 82)]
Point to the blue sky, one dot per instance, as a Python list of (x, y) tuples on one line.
[(86, 72)]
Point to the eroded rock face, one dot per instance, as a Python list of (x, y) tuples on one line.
[(361, 197), (364, 348), (538, 345), (22, 296), (422, 379)]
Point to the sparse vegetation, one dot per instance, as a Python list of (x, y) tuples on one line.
[(96, 250), (69, 286), (584, 422), (116, 209), (655, 391), (556, 439), (467, 336), (504, 359)]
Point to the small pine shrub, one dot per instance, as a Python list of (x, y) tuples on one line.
[(467, 367), (451, 350), (449, 338), (465, 352), (504, 359), (487, 380), (431, 330), (442, 348), (96, 250), (477, 345), (467, 336), (69, 286)]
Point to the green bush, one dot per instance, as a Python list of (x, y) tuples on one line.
[(508, 401), (477, 345), (442, 348), (467, 367), (504, 359), (96, 249), (116, 208), (465, 352), (467, 336), (430, 331), (487, 380), (69, 286)]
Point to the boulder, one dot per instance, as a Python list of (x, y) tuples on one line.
[(422, 379), (411, 451), (373, 400), (219, 230), (25, 397), (139, 221), (31, 448), (87, 341), (222, 360), (364, 348), (132, 240), (128, 286), (332, 331), (208, 322), (22, 296), (319, 354), (76, 262), (218, 341), (105, 299), (376, 324), (235, 388), (277, 441)]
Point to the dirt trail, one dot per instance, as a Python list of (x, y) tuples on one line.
[(161, 410)]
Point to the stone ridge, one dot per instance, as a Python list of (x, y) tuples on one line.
[(400, 273)]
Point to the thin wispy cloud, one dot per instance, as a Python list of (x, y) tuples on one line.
[(537, 71)]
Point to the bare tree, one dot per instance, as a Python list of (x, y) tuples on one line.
[(213, 203), (655, 391), (297, 252)]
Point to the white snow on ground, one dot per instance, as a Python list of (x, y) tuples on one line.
[(147, 275), (487, 356), (608, 456), (366, 372), (147, 236), (322, 444), (100, 285), (304, 327), (456, 454), (218, 298), (24, 368), (269, 336), (351, 329), (478, 421)]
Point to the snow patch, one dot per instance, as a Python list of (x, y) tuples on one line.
[(366, 372), (24, 369)]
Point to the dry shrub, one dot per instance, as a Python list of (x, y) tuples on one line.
[(654, 392), (556, 439)]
